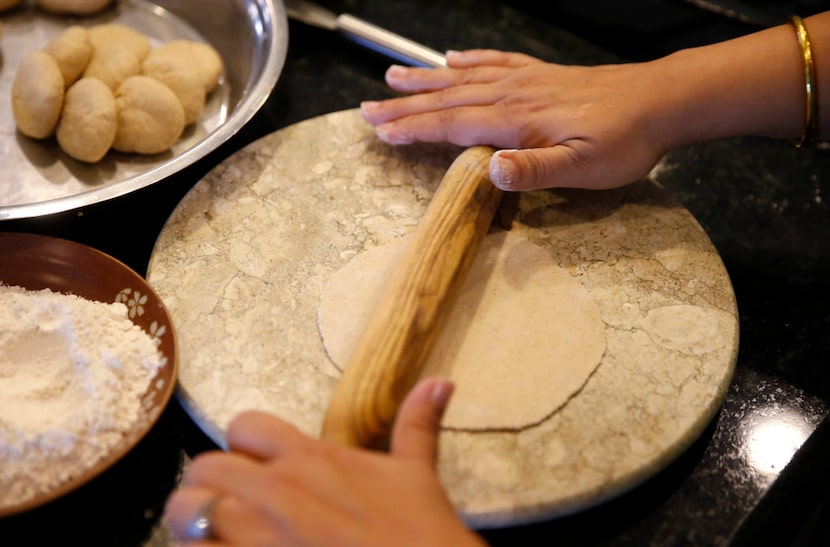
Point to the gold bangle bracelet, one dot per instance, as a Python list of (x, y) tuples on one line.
[(811, 116)]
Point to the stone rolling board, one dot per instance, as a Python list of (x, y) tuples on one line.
[(243, 259)]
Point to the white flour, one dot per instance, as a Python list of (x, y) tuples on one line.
[(71, 375)]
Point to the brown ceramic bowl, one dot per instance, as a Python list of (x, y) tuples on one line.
[(39, 262)]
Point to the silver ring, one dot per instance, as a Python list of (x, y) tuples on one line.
[(201, 527)]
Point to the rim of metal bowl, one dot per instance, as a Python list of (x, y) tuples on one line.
[(274, 31)]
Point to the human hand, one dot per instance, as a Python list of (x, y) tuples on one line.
[(558, 126), (276, 486)]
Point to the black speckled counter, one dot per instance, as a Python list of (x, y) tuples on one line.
[(758, 475)]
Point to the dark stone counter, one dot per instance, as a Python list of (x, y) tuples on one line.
[(757, 476)]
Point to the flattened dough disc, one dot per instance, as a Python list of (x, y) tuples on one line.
[(523, 337), (244, 258)]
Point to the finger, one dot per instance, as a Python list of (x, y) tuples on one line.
[(479, 66), (415, 433), (182, 507), (463, 126), (489, 57), (258, 483), (566, 165), (231, 521), (222, 472), (291, 492), (263, 436), (556, 166), (441, 105), (258, 497), (420, 80), (466, 67)]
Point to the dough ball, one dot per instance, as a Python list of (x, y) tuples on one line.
[(182, 77), (76, 7), (37, 95), (72, 51), (203, 55), (150, 116), (112, 65), (89, 120), (111, 34), (9, 4)]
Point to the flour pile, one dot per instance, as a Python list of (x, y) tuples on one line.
[(72, 372)]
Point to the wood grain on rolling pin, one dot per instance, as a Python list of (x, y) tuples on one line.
[(421, 290)]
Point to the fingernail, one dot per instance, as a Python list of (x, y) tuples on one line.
[(395, 72), (503, 170), (368, 107), (441, 392), (386, 132), (451, 54)]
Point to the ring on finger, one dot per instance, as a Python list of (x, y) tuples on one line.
[(201, 527)]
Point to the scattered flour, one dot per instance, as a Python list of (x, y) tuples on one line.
[(72, 372)]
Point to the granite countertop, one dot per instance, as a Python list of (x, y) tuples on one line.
[(757, 471)]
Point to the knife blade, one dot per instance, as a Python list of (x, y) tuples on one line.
[(366, 34)]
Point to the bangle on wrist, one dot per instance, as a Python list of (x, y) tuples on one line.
[(810, 116)]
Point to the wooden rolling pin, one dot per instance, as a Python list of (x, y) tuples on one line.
[(420, 292)]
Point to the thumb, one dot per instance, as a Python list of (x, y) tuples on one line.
[(415, 433), (560, 166)]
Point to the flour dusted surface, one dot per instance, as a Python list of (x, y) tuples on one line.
[(72, 372)]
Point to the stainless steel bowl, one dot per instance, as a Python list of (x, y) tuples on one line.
[(38, 179)]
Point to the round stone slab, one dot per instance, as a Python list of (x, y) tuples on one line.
[(242, 262)]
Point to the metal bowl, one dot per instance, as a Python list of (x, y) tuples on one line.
[(39, 179)]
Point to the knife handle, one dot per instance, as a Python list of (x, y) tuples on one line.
[(416, 299), (389, 43)]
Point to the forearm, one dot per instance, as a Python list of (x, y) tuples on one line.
[(752, 85)]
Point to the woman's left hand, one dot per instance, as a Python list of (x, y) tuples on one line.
[(560, 126)]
